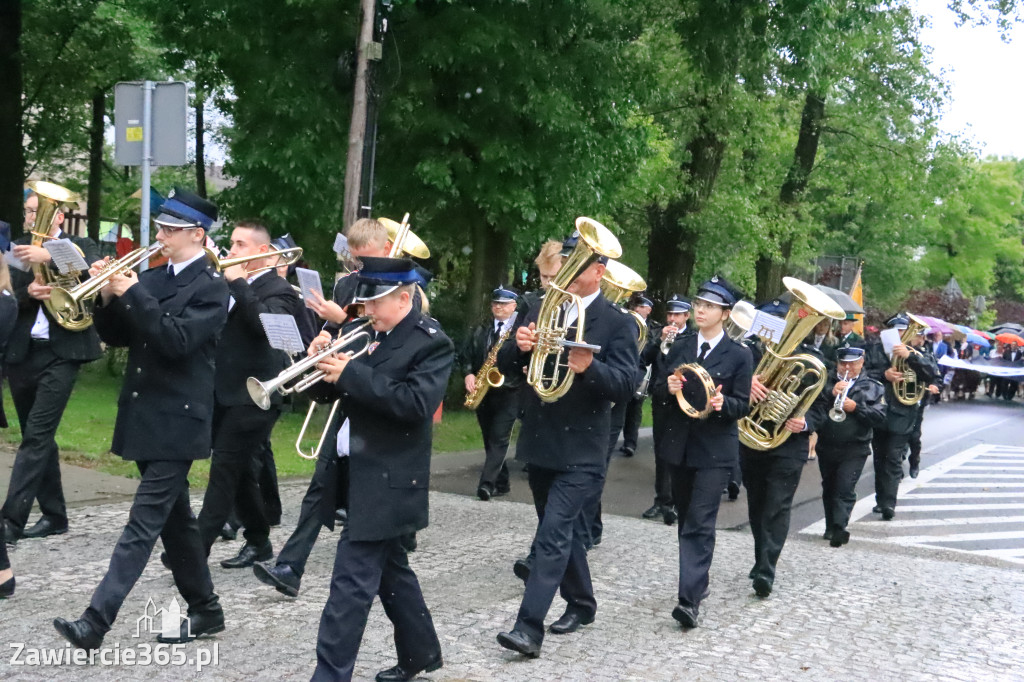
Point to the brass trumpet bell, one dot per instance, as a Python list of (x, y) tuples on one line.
[(288, 257), (407, 243), (618, 283)]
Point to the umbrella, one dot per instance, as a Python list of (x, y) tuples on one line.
[(1007, 337), (842, 299), (1010, 327), (990, 337), (962, 329), (978, 340), (937, 325)]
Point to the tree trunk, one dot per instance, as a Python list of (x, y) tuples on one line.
[(489, 265), (357, 126), (12, 168), (200, 146), (95, 192), (770, 270)]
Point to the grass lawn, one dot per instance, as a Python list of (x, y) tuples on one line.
[(88, 424)]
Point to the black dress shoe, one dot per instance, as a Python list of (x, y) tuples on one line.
[(522, 569), (569, 622), (281, 577), (46, 526), (827, 535), (400, 674), (228, 532), (668, 515), (876, 509), (627, 452), (734, 491), (653, 512), (484, 492), (762, 587), (250, 554), (915, 469), (341, 516), (686, 615), (888, 513), (7, 588), (839, 538), (519, 641), (197, 625), (79, 633)]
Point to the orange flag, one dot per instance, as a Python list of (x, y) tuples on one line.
[(857, 294)]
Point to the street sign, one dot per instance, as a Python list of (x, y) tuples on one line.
[(170, 106)]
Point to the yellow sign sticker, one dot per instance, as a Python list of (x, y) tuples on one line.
[(133, 134)]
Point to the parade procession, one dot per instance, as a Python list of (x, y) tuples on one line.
[(655, 340)]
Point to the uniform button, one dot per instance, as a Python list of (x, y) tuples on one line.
[(414, 481), (127, 307), (138, 370), (135, 394), (186, 406)]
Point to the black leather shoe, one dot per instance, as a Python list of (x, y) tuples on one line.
[(686, 615), (876, 509), (827, 535), (484, 492), (197, 625), (519, 641), (228, 532), (888, 513), (839, 538), (653, 512), (79, 633), (627, 452), (341, 516), (733, 490), (762, 587), (11, 534), (400, 674), (752, 573), (249, 555), (522, 569), (7, 588), (915, 469), (46, 526), (569, 622), (668, 515), (281, 577)]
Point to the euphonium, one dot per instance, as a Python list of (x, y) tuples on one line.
[(549, 372), (51, 198), (618, 283), (489, 376), (908, 390), (793, 382)]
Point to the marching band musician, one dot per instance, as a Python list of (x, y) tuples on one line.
[(169, 318), (8, 316), (890, 440), (240, 427), (41, 364), (565, 442), (928, 358), (677, 315), (497, 412), (635, 407), (700, 454), (390, 395), (771, 477), (843, 446)]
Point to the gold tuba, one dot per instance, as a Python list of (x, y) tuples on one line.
[(549, 372), (793, 382), (51, 198), (908, 390), (618, 283)]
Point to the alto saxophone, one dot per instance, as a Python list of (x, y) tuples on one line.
[(488, 377)]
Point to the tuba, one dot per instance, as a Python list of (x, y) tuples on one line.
[(908, 390), (619, 283), (793, 381), (549, 372), (51, 198)]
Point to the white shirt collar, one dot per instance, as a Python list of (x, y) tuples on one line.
[(178, 267), (573, 313), (713, 342)]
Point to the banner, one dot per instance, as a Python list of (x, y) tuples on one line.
[(857, 294), (992, 370)]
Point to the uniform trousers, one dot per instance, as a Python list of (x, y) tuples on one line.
[(560, 563), (267, 480), (296, 551), (698, 495), (5, 561), (160, 508), (631, 427), (840, 471), (771, 481), (496, 416), (914, 440), (593, 523), (362, 571), (887, 449), (239, 432), (40, 388)]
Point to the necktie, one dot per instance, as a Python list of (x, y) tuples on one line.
[(704, 348), (170, 271)]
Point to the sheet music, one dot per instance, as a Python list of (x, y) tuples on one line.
[(282, 332), (65, 256), (768, 327), (890, 337), (309, 282), (15, 262), (341, 246)]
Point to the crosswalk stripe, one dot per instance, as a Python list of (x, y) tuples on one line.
[(992, 467), (954, 521), (927, 508), (956, 475), (959, 537), (960, 496), (977, 484)]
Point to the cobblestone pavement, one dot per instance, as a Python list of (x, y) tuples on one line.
[(864, 612)]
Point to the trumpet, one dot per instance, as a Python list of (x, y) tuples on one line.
[(299, 372), (670, 338), (290, 256), (837, 413)]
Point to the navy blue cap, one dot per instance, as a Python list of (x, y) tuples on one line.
[(380, 276), (503, 295), (849, 353), (185, 209), (719, 291), (570, 243), (897, 322), (774, 307), (677, 304), (285, 241), (643, 301)]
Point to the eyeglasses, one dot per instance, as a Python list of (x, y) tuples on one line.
[(704, 305), (171, 230)]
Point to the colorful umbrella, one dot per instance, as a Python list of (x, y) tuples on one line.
[(937, 324), (962, 329), (990, 337), (1007, 337), (978, 340), (1011, 327)]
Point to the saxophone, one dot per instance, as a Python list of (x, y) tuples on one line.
[(488, 377)]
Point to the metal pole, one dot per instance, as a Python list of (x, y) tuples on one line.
[(147, 159)]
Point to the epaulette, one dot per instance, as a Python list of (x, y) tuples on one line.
[(429, 325)]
